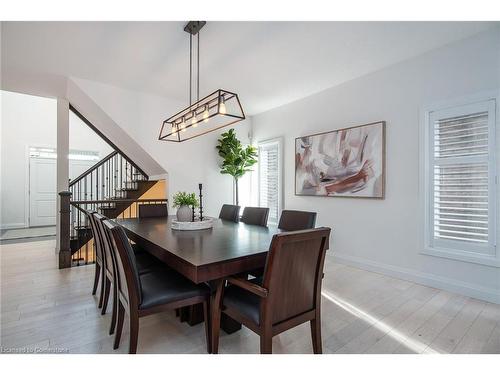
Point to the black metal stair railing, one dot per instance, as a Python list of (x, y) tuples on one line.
[(112, 187), (108, 179), (81, 244)]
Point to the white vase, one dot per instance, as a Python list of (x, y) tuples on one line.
[(184, 213)]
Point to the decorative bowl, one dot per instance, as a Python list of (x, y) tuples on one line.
[(206, 223)]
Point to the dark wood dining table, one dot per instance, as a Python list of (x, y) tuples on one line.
[(207, 255)]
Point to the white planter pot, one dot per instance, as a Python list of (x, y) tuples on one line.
[(184, 213)]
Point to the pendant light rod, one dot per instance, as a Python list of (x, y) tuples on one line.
[(219, 109), (190, 68), (198, 70), (193, 28)]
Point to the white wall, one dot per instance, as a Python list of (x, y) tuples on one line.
[(26, 121), (187, 163), (384, 235)]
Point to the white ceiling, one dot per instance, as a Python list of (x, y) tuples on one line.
[(267, 63)]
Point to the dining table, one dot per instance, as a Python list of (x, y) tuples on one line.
[(203, 256)]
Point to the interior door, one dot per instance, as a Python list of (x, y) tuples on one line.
[(42, 193)]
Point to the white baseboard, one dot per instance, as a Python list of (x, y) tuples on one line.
[(13, 226), (451, 285)]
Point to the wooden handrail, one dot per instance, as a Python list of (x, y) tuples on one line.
[(124, 200), (77, 204), (106, 139), (93, 168)]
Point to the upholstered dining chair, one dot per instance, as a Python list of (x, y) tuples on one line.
[(153, 292), (229, 212), (109, 267), (145, 263), (296, 220), (289, 295), (255, 216), (99, 259), (291, 220), (153, 210)]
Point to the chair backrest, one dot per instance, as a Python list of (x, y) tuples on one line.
[(105, 243), (293, 273), (95, 234), (153, 210), (129, 282), (297, 220), (255, 216), (229, 212)]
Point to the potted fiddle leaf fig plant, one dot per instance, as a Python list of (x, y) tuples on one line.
[(236, 159), (184, 202)]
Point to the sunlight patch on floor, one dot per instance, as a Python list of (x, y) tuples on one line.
[(403, 339)]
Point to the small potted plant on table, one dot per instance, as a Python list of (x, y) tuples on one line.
[(185, 202)]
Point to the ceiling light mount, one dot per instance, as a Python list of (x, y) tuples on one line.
[(193, 27), (219, 109)]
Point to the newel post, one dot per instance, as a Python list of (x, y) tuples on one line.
[(64, 230)]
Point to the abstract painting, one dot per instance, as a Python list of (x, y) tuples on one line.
[(342, 163)]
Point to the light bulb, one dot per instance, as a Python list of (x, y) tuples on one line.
[(183, 125), (205, 114), (222, 107), (174, 128), (194, 121)]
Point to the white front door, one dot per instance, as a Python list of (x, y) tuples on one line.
[(43, 180)]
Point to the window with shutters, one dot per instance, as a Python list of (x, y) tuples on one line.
[(461, 181), (270, 177)]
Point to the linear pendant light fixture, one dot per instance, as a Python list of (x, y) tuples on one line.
[(217, 110)]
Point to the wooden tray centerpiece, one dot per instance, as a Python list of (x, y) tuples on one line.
[(206, 223)]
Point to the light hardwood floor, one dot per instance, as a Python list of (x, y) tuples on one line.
[(363, 312)]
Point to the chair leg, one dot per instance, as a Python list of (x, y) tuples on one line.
[(107, 288), (134, 331), (103, 279), (114, 309), (206, 316), (216, 305), (316, 335), (96, 278), (266, 344), (119, 325)]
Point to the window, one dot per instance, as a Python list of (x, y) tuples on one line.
[(270, 177), (51, 153), (461, 181)]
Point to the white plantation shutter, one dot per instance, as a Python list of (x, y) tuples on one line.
[(270, 178), (462, 178)]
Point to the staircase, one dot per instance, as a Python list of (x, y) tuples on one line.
[(114, 187)]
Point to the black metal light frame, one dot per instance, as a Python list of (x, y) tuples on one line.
[(211, 101), (171, 131)]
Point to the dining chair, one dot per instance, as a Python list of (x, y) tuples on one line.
[(291, 220), (145, 263), (99, 259), (108, 264), (255, 216), (153, 292), (110, 270), (229, 212), (153, 210), (289, 295), (296, 220)]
